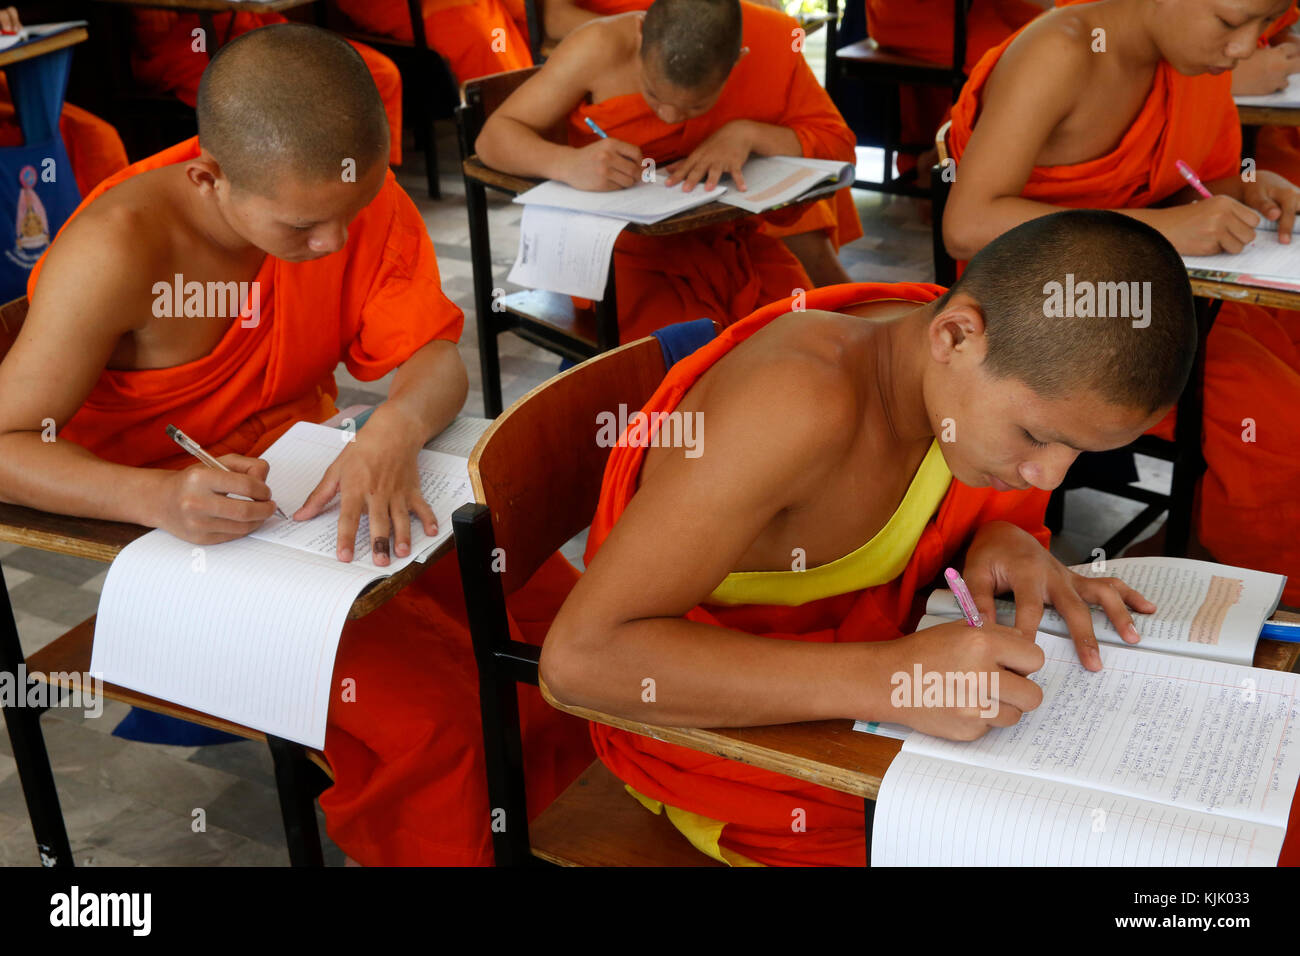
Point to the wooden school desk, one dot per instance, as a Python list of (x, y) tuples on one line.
[(830, 752), (546, 318), (71, 654), (29, 51)]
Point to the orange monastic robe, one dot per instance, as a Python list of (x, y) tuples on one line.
[(1277, 148), (1248, 513), (94, 148), (923, 29), (758, 805), (721, 272), (475, 37), (163, 60), (410, 785)]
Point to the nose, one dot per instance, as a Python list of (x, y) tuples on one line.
[(1048, 471), (328, 239)]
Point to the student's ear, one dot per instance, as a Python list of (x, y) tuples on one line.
[(204, 171), (958, 329)]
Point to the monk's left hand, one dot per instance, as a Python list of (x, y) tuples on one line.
[(1274, 198), (1003, 557), (376, 472), (721, 154)]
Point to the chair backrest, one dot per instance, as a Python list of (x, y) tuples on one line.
[(941, 174), (12, 315), (536, 29), (480, 98), (538, 467)]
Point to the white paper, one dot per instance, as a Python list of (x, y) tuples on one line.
[(1211, 746), (564, 251), (247, 630), (1202, 609), (1288, 97), (773, 180), (1263, 257), (641, 203)]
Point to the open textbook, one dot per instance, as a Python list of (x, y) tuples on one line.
[(247, 630), (1154, 760), (1202, 609), (776, 180), (1264, 262)]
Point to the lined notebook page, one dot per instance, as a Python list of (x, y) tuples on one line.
[(1202, 609), (245, 630), (1264, 257), (1193, 735), (959, 815), (299, 459)]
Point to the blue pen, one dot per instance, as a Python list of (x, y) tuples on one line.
[(596, 129), (1281, 631)]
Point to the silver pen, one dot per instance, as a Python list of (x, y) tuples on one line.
[(195, 449)]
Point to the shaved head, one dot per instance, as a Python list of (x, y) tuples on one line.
[(290, 100), (1086, 300), (694, 43)]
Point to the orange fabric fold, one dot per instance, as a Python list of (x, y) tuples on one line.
[(758, 805), (409, 779), (163, 60), (475, 37), (727, 271)]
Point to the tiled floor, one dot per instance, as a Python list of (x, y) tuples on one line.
[(129, 803)]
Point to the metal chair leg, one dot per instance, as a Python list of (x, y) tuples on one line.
[(34, 771), (481, 263), (293, 779)]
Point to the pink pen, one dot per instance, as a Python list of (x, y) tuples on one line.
[(1192, 178), (964, 598)]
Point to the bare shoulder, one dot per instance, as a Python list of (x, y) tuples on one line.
[(597, 44), (797, 378), (109, 256), (1055, 47)]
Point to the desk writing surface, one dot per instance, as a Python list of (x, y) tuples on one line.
[(29, 51), (1268, 115), (707, 215), (830, 752), (1248, 294)]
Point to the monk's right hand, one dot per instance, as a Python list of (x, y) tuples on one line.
[(196, 506), (999, 658), (605, 165), (1210, 226)]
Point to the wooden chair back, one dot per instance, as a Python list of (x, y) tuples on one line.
[(538, 466), (12, 315), (480, 98)]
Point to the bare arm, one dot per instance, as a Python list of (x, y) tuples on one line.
[(85, 302), (1015, 125), (685, 529)]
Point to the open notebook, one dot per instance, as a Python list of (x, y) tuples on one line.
[(1264, 262), (1154, 760), (1288, 97), (247, 630), (1202, 609), (1205, 610)]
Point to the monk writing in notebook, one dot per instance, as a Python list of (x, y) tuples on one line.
[(850, 453), (697, 87), (286, 188), (1093, 105)]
